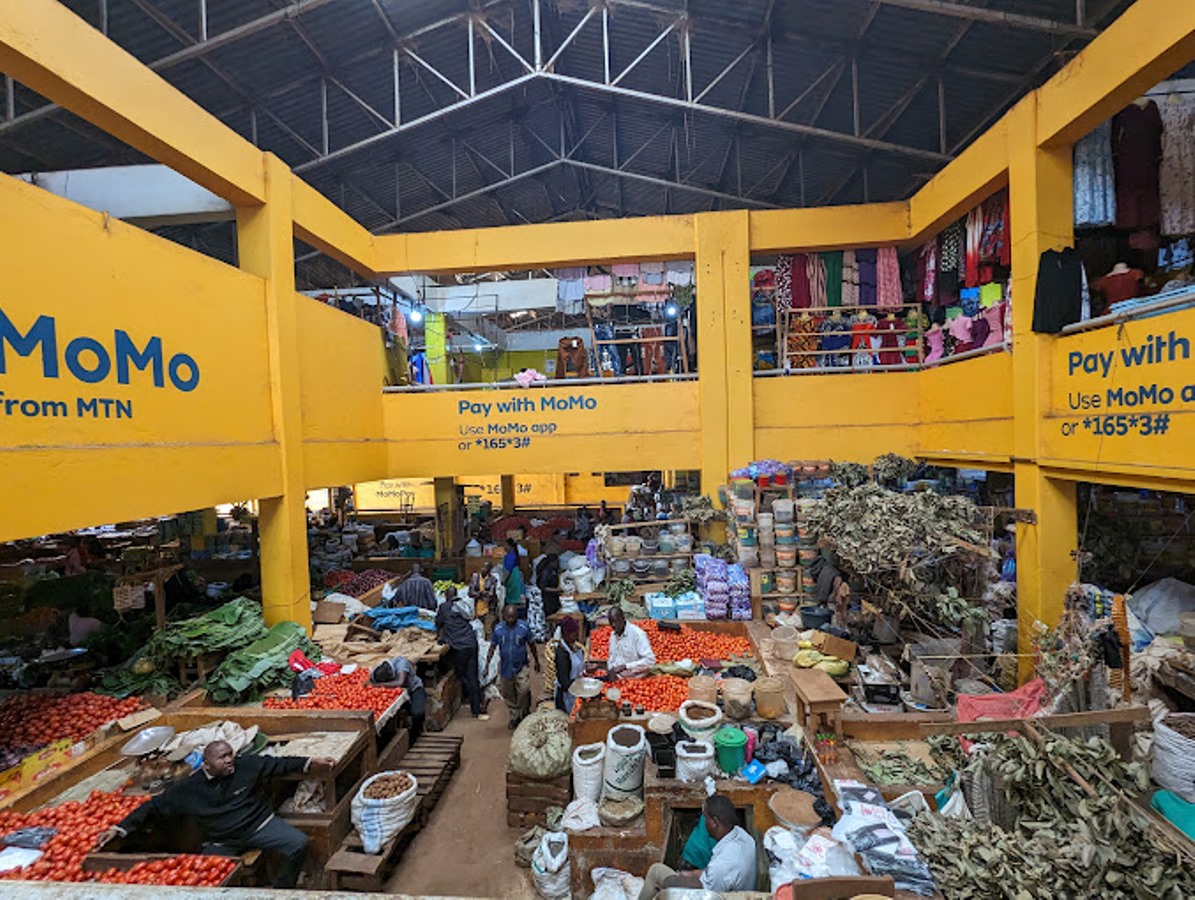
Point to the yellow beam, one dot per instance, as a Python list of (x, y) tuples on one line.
[(329, 229), (46, 47), (829, 228), (976, 173), (266, 245), (1150, 41), (536, 246)]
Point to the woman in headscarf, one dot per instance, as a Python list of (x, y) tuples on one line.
[(570, 662)]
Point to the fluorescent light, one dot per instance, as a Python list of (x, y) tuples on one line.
[(415, 316), (477, 346), (671, 310)]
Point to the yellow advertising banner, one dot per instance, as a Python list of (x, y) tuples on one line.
[(1124, 394)]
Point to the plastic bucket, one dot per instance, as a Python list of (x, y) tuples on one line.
[(736, 697), (766, 521), (784, 642), (783, 511), (767, 556), (730, 749), (769, 696), (814, 616), (767, 582), (786, 556), (807, 554), (786, 582)]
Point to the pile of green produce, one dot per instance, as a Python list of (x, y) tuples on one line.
[(894, 766), (139, 680), (229, 627), (1064, 843), (701, 510), (912, 549), (618, 591), (893, 469), (246, 674), (681, 582)]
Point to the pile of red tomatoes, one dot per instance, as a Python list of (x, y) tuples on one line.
[(350, 691), (672, 646)]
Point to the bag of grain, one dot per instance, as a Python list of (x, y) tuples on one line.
[(383, 807)]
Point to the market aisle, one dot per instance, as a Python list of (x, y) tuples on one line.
[(467, 850)]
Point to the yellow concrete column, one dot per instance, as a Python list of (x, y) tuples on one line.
[(508, 494), (1042, 217), (435, 347), (266, 248), (724, 364)]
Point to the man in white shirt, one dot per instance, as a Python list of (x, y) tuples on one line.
[(630, 654), (731, 867)]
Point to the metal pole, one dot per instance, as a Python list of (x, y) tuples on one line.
[(472, 67), (253, 126), (941, 114), (726, 71), (323, 96), (771, 80), (1081, 12), (397, 91), (203, 20), (104, 17), (643, 55), (801, 173), (855, 91), (539, 50), (10, 100), (688, 64), (606, 43)]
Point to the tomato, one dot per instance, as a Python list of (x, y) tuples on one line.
[(349, 691), (672, 646), (35, 720)]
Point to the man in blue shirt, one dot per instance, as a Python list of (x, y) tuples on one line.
[(512, 639)]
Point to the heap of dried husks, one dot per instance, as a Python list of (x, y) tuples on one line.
[(904, 545), (1064, 843)]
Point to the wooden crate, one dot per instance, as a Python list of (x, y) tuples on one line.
[(443, 700), (528, 799), (432, 762)]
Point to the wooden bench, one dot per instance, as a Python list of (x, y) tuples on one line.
[(818, 699), (433, 760)]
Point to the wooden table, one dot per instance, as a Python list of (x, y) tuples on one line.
[(818, 698)]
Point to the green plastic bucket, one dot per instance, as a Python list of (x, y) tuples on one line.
[(730, 749)]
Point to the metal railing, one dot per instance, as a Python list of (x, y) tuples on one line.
[(1171, 300), (549, 383)]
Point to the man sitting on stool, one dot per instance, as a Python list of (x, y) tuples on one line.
[(225, 799), (731, 867)]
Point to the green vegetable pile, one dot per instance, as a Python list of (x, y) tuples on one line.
[(1064, 843), (229, 627), (245, 675), (681, 582), (125, 683), (890, 767)]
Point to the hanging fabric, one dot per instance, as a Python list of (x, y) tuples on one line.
[(815, 270), (888, 290), (833, 264), (974, 236), (1137, 154), (1095, 182), (1058, 299), (867, 276), (1177, 176), (572, 359), (950, 246), (570, 291), (850, 278), (784, 283)]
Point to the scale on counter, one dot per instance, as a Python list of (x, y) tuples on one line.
[(593, 704)]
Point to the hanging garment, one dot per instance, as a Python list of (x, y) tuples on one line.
[(1177, 174), (1137, 155), (572, 359), (784, 283), (990, 294), (890, 338), (994, 317), (833, 263), (960, 330), (801, 342), (802, 298), (835, 342), (926, 280), (1095, 183), (652, 273), (994, 246), (1058, 299), (598, 284), (867, 277), (421, 372), (888, 291), (608, 363), (570, 291), (979, 331), (971, 257), (680, 272), (850, 278), (935, 344), (970, 299), (653, 353), (950, 245), (862, 331), (626, 270), (815, 270)]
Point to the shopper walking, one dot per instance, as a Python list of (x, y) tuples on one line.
[(512, 574), (512, 640), (455, 630)]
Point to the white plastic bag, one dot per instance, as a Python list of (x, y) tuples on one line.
[(550, 867), (820, 857), (580, 815), (614, 884), (626, 748), (694, 760), (379, 820), (588, 761), (781, 847), (1174, 758), (956, 807), (703, 728)]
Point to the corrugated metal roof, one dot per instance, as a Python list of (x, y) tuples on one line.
[(450, 163)]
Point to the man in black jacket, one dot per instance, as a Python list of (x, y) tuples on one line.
[(224, 797), (455, 630)]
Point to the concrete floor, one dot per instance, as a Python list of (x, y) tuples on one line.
[(466, 849)]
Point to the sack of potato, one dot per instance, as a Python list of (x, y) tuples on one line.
[(383, 807)]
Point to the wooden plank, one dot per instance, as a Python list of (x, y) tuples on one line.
[(1061, 720), (815, 686)]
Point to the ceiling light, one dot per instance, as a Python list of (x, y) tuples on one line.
[(671, 310), (415, 316)]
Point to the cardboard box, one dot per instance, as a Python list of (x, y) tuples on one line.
[(834, 646), (11, 782), (327, 612), (45, 762)]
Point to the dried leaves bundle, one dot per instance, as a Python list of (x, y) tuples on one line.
[(892, 468), (1065, 843), (849, 474), (913, 549), (701, 510)]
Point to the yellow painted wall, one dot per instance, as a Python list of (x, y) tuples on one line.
[(627, 427), (531, 490), (965, 411)]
